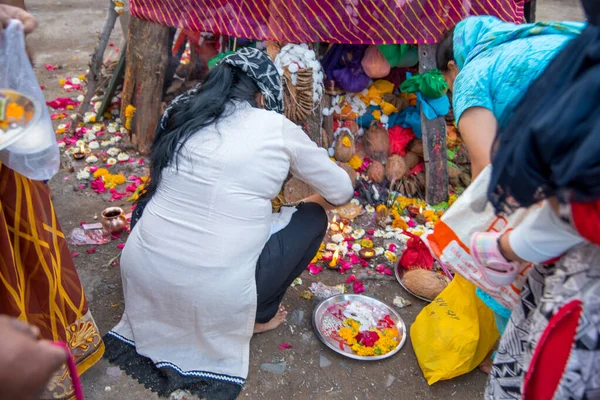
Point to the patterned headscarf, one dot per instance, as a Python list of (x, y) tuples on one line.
[(258, 66)]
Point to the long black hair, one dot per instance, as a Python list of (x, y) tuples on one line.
[(223, 85), (445, 51)]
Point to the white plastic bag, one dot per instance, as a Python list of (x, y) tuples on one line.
[(451, 237), (35, 155)]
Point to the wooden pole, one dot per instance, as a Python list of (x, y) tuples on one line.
[(146, 65), (328, 121), (96, 66), (434, 140)]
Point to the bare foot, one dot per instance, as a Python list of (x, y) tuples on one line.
[(277, 320), (486, 365)]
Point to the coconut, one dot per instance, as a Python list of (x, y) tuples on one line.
[(425, 283), (411, 160), (350, 171), (377, 143), (416, 146), (395, 169), (342, 151), (376, 172)]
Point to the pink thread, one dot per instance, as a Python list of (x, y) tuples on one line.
[(72, 370)]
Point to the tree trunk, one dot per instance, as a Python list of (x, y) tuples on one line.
[(434, 140), (147, 60)]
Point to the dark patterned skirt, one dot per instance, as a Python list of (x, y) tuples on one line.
[(551, 346)]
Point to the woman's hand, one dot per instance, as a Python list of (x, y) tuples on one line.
[(9, 12), (26, 363)]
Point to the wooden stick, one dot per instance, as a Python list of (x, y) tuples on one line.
[(96, 65), (434, 140), (112, 85)]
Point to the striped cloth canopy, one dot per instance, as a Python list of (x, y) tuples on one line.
[(333, 21)]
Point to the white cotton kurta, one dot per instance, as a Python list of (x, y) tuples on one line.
[(188, 268)]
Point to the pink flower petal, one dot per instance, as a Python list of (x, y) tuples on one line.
[(120, 246), (91, 251), (74, 254), (392, 247), (380, 268), (411, 223), (314, 269), (364, 263), (351, 279), (285, 346), (388, 271), (81, 187), (358, 287)]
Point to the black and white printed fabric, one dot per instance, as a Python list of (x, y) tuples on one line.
[(258, 66), (576, 277)]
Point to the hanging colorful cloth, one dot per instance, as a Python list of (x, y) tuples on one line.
[(431, 84)]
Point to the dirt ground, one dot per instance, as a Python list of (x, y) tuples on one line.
[(66, 36)]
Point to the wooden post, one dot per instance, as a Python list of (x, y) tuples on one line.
[(530, 8), (96, 66), (328, 121), (434, 140), (147, 60), (313, 126)]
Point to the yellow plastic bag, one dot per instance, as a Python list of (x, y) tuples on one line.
[(453, 334)]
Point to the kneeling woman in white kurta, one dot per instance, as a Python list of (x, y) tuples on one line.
[(203, 270)]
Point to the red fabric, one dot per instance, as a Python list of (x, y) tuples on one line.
[(309, 21), (400, 138), (552, 353), (586, 218), (416, 254), (420, 167)]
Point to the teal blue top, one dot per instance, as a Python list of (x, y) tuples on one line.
[(497, 61)]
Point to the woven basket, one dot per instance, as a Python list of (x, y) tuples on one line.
[(298, 99)]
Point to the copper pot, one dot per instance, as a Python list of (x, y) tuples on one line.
[(114, 220)]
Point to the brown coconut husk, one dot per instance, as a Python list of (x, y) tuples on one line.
[(416, 146), (425, 283), (376, 172), (350, 171), (343, 153), (395, 169), (298, 99), (412, 160), (413, 185), (377, 143)]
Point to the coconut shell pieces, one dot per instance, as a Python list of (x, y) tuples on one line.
[(350, 211)]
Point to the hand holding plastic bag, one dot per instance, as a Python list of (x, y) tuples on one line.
[(35, 154)]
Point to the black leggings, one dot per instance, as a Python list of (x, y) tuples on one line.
[(286, 255)]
